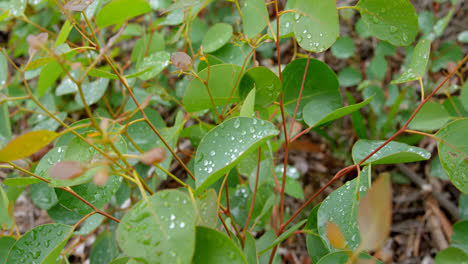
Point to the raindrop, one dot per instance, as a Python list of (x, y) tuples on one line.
[(237, 123), (212, 153)]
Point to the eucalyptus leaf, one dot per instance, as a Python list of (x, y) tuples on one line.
[(316, 24), (218, 35), (254, 17), (117, 11), (393, 152), (453, 155), (394, 21), (160, 229), (239, 137), (418, 63)]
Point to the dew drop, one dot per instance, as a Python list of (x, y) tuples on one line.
[(212, 153)]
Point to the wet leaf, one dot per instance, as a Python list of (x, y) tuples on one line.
[(375, 214), (42, 244), (418, 63), (218, 35), (393, 152), (432, 116), (6, 243), (26, 144), (208, 207), (394, 21), (254, 17), (210, 241), (20, 181), (316, 24), (224, 147), (267, 86), (104, 249), (155, 62), (453, 153), (160, 229)]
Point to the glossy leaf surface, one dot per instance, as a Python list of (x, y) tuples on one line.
[(393, 152), (117, 11), (418, 63), (316, 24), (239, 136), (394, 21), (453, 155), (218, 35), (43, 244), (213, 247), (161, 229)]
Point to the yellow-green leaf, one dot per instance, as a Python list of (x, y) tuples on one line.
[(25, 145)]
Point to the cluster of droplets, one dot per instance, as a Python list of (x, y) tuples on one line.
[(235, 140)]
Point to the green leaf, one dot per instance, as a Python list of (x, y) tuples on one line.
[(142, 134), (343, 48), (394, 21), (26, 144), (463, 206), (49, 74), (349, 76), (247, 108), (207, 205), (21, 181), (3, 71), (6, 243), (156, 62), (315, 244), (90, 225), (160, 229), (254, 17), (426, 22), (316, 24), (42, 244), (43, 196), (93, 91), (320, 111), (283, 236), (5, 217), (343, 257), (64, 32), (442, 23), (459, 237), (320, 81), (393, 152), (463, 37), (341, 207), (239, 137), (361, 29), (453, 152), (174, 17), (213, 247), (377, 68), (250, 249), (104, 249), (17, 7), (437, 170), (448, 52), (218, 35), (4, 15), (224, 79), (451, 255), (267, 86), (418, 63), (432, 116), (117, 11), (5, 125)]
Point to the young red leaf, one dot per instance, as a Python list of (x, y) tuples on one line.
[(78, 5), (155, 155), (181, 61), (66, 170), (36, 43), (375, 214), (101, 177), (335, 236)]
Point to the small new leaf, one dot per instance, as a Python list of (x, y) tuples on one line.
[(155, 155), (181, 61), (375, 214), (36, 43), (77, 5), (335, 236), (66, 170)]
